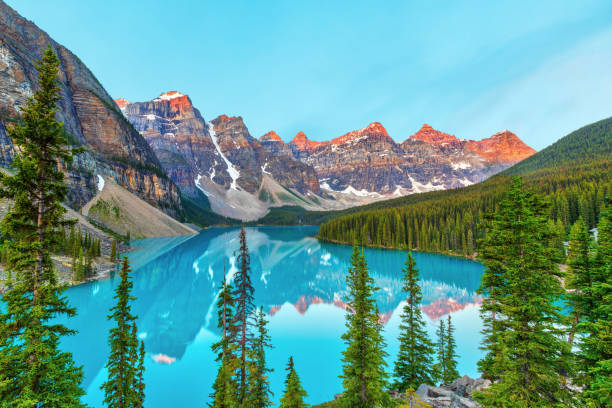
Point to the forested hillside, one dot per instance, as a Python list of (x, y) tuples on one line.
[(574, 174)]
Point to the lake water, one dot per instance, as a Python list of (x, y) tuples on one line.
[(298, 280)]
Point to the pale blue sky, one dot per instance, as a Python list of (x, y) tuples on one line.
[(538, 68)]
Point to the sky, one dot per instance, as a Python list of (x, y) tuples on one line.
[(472, 68)]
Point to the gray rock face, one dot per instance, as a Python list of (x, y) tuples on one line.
[(89, 114), (456, 395)]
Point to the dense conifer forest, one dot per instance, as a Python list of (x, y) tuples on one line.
[(574, 175)]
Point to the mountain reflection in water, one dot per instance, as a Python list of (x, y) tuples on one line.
[(299, 281)]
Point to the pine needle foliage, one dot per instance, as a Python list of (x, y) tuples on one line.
[(294, 394)]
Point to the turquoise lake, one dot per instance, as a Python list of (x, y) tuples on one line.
[(299, 281)]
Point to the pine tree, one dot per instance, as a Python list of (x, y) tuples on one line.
[(140, 383), (224, 388), (440, 366), (450, 355), (413, 366), (363, 372), (595, 354), (580, 276), (113, 254), (294, 394), (120, 387), (259, 382), (523, 334), (243, 296), (33, 371)]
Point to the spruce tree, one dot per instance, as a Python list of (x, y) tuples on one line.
[(259, 382), (363, 372), (33, 371), (120, 387), (450, 355), (243, 297), (526, 350), (224, 393), (113, 254), (140, 383), (440, 366), (580, 277), (413, 366), (294, 394), (595, 354)]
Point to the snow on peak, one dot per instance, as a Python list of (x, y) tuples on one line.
[(100, 183), (166, 96)]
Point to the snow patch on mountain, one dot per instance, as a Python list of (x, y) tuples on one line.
[(461, 165), (100, 183), (233, 171), (423, 188)]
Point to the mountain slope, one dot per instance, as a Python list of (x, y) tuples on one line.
[(575, 174), (90, 116), (125, 213)]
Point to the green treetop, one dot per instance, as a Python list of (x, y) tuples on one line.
[(294, 394)]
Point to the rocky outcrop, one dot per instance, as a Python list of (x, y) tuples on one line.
[(274, 144), (458, 394), (90, 116)]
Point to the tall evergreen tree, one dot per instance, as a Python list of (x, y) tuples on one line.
[(140, 383), (294, 394), (243, 297), (120, 387), (363, 372), (259, 382), (440, 366), (224, 388), (450, 355), (524, 340), (113, 254), (33, 371), (413, 366), (595, 355), (580, 278)]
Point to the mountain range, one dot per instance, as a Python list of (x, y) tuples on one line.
[(166, 153), (242, 177)]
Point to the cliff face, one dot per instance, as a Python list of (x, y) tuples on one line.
[(89, 114)]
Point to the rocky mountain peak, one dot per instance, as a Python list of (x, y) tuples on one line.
[(373, 130), (271, 136), (122, 103), (502, 147), (177, 101), (434, 137), (302, 142)]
